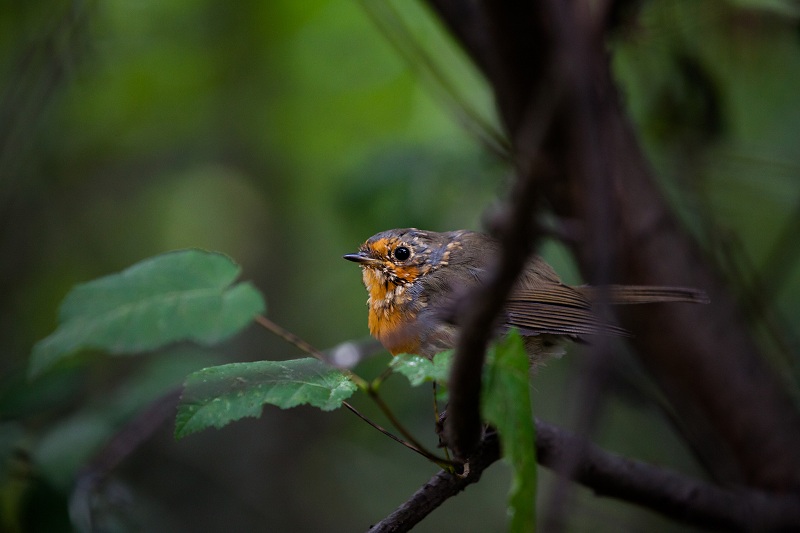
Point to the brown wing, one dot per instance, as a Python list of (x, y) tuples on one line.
[(542, 304), (559, 311)]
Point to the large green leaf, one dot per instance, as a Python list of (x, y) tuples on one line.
[(506, 404), (420, 369), (216, 396), (182, 295)]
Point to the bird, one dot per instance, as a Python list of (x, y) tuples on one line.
[(416, 279)]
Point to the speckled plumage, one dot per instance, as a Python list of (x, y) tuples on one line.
[(410, 297)]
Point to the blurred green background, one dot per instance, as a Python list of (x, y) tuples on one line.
[(284, 134)]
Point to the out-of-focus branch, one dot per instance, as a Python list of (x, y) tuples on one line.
[(703, 358), (731, 404), (116, 450), (516, 232), (674, 495), (530, 113)]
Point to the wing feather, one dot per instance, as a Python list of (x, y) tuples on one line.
[(537, 318)]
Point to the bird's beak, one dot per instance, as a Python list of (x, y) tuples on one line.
[(361, 258)]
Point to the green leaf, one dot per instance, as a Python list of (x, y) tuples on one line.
[(216, 396), (177, 296), (506, 404), (420, 369)]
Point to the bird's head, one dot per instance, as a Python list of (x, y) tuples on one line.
[(400, 257)]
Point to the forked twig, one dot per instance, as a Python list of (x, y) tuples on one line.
[(371, 390)]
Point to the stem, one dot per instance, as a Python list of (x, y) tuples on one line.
[(378, 381), (441, 461), (436, 417), (361, 383), (385, 431), (291, 338), (435, 402)]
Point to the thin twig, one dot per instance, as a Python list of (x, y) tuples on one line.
[(290, 337), (385, 431), (412, 444), (397, 32), (441, 461), (516, 233)]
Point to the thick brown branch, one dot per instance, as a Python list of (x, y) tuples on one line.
[(664, 491), (704, 358), (732, 407), (674, 495), (438, 489)]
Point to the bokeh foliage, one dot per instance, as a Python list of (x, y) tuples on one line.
[(283, 134)]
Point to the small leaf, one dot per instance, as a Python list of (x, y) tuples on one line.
[(506, 404), (216, 396), (420, 369), (183, 295)]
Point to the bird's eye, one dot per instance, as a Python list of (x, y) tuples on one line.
[(401, 253)]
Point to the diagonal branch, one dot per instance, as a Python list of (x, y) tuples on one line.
[(438, 489), (663, 491), (533, 116), (735, 411)]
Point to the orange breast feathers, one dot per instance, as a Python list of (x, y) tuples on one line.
[(392, 317)]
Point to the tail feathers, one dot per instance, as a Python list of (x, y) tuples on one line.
[(643, 294)]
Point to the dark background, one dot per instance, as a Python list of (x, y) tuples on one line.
[(284, 134)]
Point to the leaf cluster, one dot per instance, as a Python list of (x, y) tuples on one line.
[(191, 295)]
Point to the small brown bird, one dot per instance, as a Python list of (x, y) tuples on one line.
[(415, 279)]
